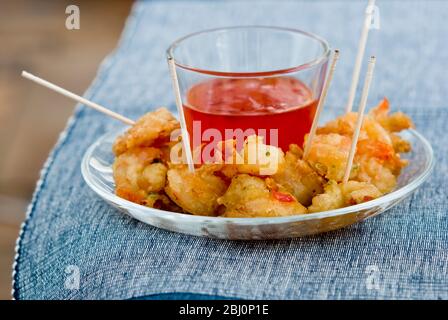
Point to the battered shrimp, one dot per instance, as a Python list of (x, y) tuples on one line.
[(255, 157), (394, 122), (371, 170), (328, 155), (161, 201), (260, 180), (298, 178), (196, 192), (375, 162), (399, 144), (258, 158), (377, 125), (249, 196), (151, 129), (138, 175), (383, 153), (343, 194), (345, 125)]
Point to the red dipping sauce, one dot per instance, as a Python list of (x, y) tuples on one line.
[(282, 103)]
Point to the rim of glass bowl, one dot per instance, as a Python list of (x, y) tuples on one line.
[(261, 220), (317, 61)]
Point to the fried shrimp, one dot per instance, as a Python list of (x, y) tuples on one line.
[(345, 125), (249, 178), (249, 196), (375, 162), (377, 159), (258, 158), (378, 125), (138, 174), (195, 192), (371, 170), (394, 122), (298, 178), (343, 194), (255, 157), (328, 155), (151, 129), (384, 154)]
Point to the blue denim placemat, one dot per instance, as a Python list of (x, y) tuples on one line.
[(400, 254)]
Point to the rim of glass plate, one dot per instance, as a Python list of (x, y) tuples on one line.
[(262, 220), (316, 61)]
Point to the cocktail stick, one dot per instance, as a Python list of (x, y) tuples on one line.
[(180, 110), (359, 120), (77, 98), (359, 57), (320, 105)]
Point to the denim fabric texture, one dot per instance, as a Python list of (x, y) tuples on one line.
[(400, 254), (182, 296)]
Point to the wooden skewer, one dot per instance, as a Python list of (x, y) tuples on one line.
[(362, 107), (77, 98), (180, 110), (320, 105), (360, 55)]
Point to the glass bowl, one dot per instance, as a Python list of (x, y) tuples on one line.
[(96, 168)]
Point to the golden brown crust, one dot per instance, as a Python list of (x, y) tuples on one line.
[(154, 128), (284, 184)]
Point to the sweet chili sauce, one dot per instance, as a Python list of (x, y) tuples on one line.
[(282, 103)]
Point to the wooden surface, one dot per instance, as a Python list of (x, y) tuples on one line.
[(34, 38)]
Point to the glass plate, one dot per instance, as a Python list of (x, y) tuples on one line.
[(96, 169)]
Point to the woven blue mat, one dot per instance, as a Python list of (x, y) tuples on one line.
[(400, 254)]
